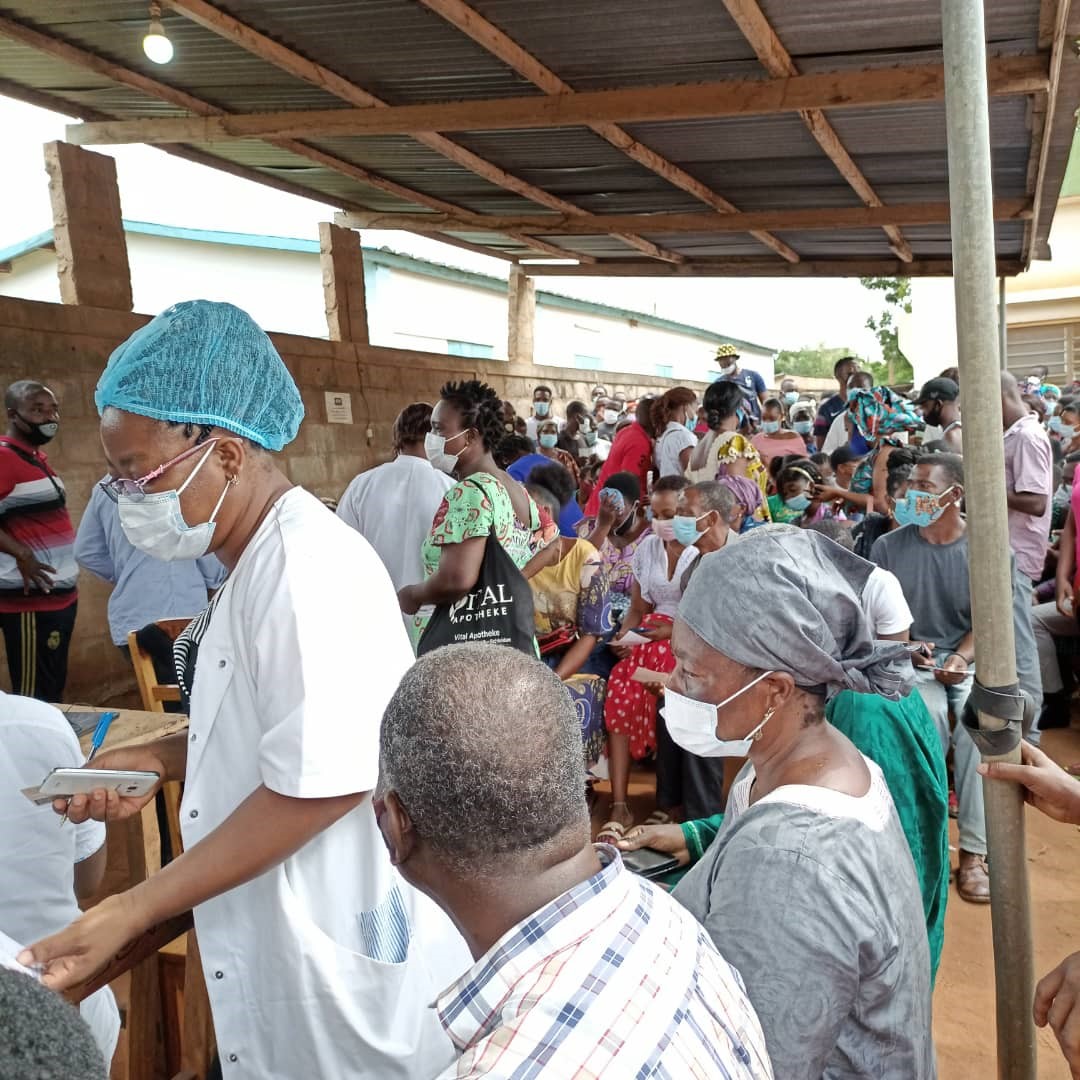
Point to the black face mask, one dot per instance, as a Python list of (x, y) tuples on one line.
[(932, 419), (627, 524), (39, 434)]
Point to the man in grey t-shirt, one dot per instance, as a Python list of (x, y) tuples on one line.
[(931, 562)]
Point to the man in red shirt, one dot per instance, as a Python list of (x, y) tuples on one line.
[(38, 571)]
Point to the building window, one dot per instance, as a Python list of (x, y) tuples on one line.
[(586, 363), (471, 348), (664, 371)]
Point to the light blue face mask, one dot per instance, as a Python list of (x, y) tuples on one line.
[(920, 508), (770, 427), (803, 427), (541, 408), (686, 530), (791, 397), (798, 503), (548, 441)]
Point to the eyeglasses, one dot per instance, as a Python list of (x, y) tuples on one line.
[(136, 489)]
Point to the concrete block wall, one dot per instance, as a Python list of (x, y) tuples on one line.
[(68, 346)]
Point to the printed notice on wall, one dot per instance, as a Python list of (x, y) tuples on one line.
[(338, 407)]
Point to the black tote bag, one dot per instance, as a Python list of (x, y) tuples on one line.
[(497, 610)]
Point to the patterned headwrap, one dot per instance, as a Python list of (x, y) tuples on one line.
[(881, 413), (745, 491)]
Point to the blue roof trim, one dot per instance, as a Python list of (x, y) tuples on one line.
[(397, 261), (24, 247)]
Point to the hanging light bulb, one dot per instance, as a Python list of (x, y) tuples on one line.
[(156, 45)]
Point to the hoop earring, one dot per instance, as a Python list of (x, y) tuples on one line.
[(234, 479)]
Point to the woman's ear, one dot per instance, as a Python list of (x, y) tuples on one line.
[(232, 453)]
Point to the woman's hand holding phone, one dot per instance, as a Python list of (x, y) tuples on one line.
[(105, 805)]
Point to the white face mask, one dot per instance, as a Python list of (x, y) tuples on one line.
[(727, 369), (155, 523), (435, 449), (692, 724), (610, 416)]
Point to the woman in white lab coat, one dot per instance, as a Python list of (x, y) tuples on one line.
[(319, 960)]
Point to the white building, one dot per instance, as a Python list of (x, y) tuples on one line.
[(412, 303)]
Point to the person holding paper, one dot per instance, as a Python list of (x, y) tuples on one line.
[(645, 642)]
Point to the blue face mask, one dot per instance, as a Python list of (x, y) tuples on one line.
[(770, 427), (799, 503), (548, 441), (920, 508), (740, 417), (541, 408), (803, 427), (791, 397), (686, 529), (690, 424)]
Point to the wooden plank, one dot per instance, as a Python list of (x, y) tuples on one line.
[(83, 59), (495, 41), (732, 97), (777, 61), (258, 44), (756, 266), (846, 217)]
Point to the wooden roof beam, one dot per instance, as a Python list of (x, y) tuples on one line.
[(88, 61), (777, 61), (730, 97), (757, 266), (490, 37), (280, 56), (845, 217)]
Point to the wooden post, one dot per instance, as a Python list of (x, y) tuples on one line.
[(521, 299), (91, 253), (342, 261)]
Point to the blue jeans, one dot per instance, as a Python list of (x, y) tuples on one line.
[(939, 699)]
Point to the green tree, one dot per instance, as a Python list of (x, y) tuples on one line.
[(895, 366), (813, 362)]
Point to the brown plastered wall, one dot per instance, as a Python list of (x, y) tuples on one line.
[(68, 346)]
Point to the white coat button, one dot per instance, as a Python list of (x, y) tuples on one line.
[(232, 1057), (221, 663), (194, 737), (194, 814), (219, 974)]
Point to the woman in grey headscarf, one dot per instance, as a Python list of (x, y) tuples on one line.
[(809, 887)]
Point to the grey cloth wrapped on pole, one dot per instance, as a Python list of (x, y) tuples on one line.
[(786, 599)]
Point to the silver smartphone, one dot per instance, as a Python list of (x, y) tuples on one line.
[(62, 783)]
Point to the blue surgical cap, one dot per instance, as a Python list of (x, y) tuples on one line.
[(201, 362)]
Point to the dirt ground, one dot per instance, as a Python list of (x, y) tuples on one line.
[(964, 999)]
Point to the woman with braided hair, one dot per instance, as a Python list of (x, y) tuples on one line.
[(466, 426)]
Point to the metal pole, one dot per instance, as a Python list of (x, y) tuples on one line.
[(970, 194), (1003, 337)]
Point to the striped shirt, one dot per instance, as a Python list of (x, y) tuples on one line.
[(33, 510), (611, 979)]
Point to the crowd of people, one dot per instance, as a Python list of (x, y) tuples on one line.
[(760, 601)]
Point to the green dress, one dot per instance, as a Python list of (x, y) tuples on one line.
[(470, 509), (902, 739), (900, 736)]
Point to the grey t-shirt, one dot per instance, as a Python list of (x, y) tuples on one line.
[(934, 578), (812, 895)]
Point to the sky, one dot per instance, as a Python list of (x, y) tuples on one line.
[(780, 313)]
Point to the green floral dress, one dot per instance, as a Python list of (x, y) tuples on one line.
[(470, 509)]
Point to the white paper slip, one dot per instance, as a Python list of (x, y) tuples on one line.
[(9, 949), (631, 638), (35, 796)]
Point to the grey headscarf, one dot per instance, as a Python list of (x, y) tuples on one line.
[(786, 599)]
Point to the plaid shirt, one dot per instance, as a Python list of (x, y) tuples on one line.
[(612, 979)]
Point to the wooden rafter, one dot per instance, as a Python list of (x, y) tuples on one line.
[(731, 97), (1053, 20), (757, 266), (51, 103), (832, 217), (280, 56), (89, 61), (777, 61), (488, 36)]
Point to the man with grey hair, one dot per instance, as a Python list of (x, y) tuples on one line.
[(580, 966)]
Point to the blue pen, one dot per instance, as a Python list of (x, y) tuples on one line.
[(96, 740)]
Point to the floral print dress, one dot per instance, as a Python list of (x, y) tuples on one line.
[(471, 509)]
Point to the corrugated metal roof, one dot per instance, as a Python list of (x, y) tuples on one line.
[(404, 53)]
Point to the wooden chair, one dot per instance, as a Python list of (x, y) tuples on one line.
[(187, 1029)]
